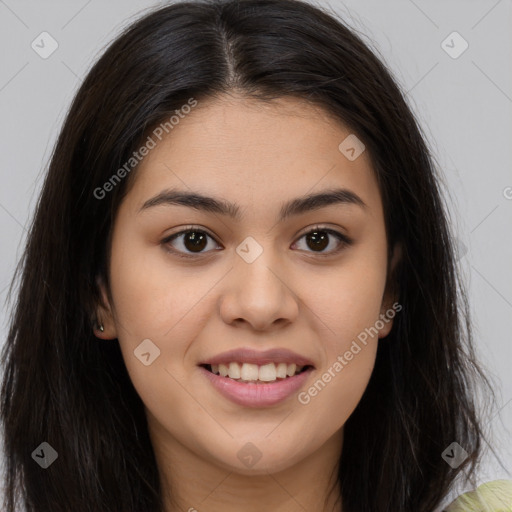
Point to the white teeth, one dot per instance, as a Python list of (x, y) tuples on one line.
[(252, 372), (234, 370), (268, 372), (291, 369), (249, 372), (281, 370), (223, 370)]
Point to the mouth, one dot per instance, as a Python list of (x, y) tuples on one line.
[(248, 373), (256, 386)]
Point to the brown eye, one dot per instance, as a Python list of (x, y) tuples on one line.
[(194, 241), (318, 239), (189, 242)]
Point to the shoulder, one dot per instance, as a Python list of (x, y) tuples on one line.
[(495, 496)]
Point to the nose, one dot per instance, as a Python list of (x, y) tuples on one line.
[(259, 294)]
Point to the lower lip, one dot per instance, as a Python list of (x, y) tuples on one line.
[(256, 395)]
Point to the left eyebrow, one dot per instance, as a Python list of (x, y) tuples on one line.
[(293, 207)]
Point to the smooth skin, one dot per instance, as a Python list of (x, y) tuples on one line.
[(312, 301)]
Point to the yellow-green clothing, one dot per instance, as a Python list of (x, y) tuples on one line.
[(495, 496)]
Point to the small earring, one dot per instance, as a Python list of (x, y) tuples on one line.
[(102, 328)]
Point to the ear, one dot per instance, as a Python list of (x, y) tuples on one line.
[(104, 314), (390, 305)]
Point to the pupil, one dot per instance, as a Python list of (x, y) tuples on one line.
[(319, 241), (195, 241)]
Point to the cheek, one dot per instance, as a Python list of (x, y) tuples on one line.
[(158, 303), (347, 313), (166, 304), (145, 309), (338, 388), (347, 303), (348, 298), (152, 297)]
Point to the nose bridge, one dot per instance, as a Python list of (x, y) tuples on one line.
[(257, 266), (258, 291)]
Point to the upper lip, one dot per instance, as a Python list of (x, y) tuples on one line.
[(246, 355)]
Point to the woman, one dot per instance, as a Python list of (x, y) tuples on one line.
[(239, 288)]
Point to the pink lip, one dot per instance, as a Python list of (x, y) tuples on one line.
[(256, 395), (243, 355)]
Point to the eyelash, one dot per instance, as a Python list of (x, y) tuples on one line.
[(343, 239)]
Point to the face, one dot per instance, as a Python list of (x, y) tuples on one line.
[(304, 282)]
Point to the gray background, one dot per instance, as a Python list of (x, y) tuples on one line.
[(464, 105)]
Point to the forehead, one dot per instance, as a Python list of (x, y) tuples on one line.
[(254, 153)]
